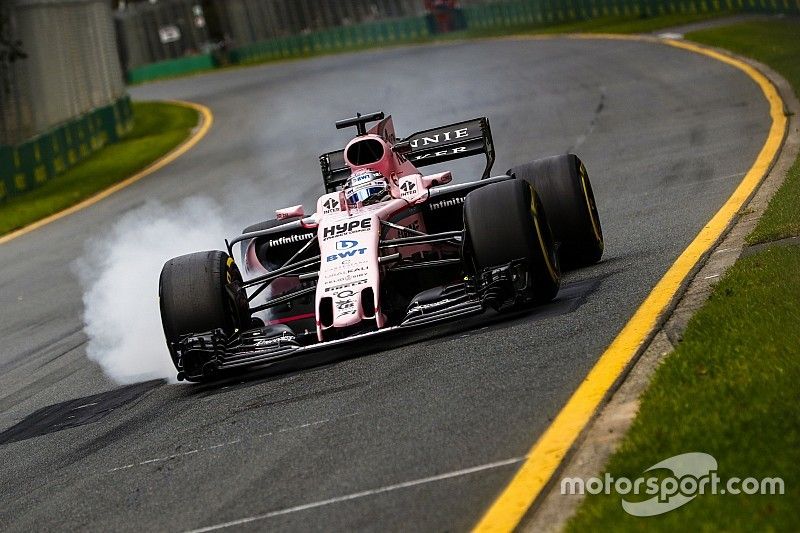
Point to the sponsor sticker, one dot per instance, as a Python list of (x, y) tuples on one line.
[(346, 254), (441, 153), (346, 228), (408, 188), (331, 205), (440, 138), (346, 285), (346, 245), (450, 202), (344, 303), (263, 343), (291, 239)]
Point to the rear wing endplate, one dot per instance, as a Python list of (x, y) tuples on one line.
[(428, 147)]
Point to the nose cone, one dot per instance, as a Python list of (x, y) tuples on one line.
[(349, 269)]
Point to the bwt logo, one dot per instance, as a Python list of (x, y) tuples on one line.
[(345, 255), (346, 245), (347, 227)]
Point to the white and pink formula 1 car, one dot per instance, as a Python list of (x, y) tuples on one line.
[(387, 248)]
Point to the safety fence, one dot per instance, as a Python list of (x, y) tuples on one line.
[(334, 39), (62, 94), (246, 22), (340, 38), (291, 46), (173, 37), (264, 30)]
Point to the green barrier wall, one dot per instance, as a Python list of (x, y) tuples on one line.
[(28, 165), (171, 68)]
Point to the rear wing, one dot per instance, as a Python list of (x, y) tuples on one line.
[(428, 147)]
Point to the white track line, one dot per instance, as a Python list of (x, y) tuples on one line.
[(362, 494), (229, 443)]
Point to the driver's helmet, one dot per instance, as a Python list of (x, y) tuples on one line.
[(365, 186)]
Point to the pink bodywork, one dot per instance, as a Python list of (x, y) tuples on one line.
[(349, 237)]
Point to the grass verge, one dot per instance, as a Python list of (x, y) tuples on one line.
[(730, 389), (158, 128)]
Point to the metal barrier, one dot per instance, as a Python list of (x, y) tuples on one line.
[(334, 39), (62, 96), (245, 22)]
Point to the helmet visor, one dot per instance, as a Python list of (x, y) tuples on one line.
[(367, 192)]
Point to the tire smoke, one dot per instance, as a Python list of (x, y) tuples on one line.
[(119, 273)]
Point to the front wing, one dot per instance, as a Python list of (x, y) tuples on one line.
[(199, 357), (206, 355)]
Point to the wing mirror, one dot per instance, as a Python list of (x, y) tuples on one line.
[(437, 179), (289, 212)]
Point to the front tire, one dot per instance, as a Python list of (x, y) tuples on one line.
[(201, 292), (564, 187), (506, 222)]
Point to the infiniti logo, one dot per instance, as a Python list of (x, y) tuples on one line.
[(346, 245)]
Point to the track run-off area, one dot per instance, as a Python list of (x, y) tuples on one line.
[(420, 434)]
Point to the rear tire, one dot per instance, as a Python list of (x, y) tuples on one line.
[(201, 292), (505, 222), (564, 187)]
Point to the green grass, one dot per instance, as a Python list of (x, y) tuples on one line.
[(782, 218), (730, 389), (776, 44), (158, 128)]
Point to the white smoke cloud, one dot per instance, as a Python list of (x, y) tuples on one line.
[(119, 273)]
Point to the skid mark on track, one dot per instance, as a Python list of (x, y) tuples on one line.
[(77, 412), (592, 123), (229, 443)]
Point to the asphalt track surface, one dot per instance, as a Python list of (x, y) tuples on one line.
[(422, 436)]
